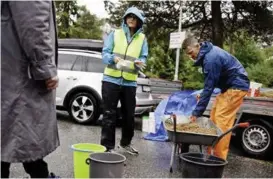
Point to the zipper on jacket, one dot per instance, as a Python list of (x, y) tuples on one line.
[(127, 50), (125, 56), (128, 45)]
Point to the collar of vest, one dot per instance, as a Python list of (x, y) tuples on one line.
[(123, 49)]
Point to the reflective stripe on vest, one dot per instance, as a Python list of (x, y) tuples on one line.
[(127, 52)]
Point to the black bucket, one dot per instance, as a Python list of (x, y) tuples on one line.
[(198, 165)]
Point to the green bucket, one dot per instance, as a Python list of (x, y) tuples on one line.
[(80, 154)]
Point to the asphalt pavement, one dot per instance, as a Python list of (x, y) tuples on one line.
[(153, 160)]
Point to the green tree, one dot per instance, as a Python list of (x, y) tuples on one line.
[(67, 13), (215, 20), (246, 49), (76, 21), (268, 51), (262, 72), (192, 77), (87, 25), (161, 64), (256, 60)]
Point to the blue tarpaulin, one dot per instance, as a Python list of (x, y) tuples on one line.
[(179, 103)]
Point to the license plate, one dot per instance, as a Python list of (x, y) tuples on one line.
[(146, 88)]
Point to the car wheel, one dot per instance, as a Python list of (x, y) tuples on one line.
[(257, 140), (83, 108)]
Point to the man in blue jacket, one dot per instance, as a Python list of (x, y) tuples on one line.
[(224, 71), (125, 52)]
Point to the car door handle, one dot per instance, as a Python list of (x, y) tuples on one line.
[(71, 77)]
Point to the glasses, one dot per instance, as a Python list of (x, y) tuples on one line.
[(132, 16)]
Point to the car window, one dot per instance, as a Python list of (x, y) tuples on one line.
[(78, 64), (95, 65), (65, 61)]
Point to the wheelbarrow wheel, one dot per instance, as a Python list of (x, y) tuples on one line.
[(171, 170)]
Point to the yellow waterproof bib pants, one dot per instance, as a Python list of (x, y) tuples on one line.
[(223, 114)]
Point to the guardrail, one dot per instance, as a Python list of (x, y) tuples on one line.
[(163, 88)]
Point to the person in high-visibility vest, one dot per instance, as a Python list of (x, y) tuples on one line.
[(224, 71), (125, 52)]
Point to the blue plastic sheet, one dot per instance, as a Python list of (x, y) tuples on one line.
[(179, 103), (160, 134)]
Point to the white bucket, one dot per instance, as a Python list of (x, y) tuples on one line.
[(148, 123), (254, 89)]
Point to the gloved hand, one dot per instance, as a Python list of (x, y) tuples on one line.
[(117, 59), (125, 65), (140, 65), (119, 63)]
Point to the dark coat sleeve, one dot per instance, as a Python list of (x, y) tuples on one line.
[(33, 29), (212, 70)]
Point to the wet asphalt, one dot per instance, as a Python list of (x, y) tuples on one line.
[(152, 162)]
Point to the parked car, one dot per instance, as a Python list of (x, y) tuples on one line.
[(81, 44), (79, 92)]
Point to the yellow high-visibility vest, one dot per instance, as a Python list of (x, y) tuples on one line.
[(125, 51)]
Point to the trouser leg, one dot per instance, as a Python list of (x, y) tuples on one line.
[(37, 169), (110, 97), (5, 166), (128, 105), (227, 106)]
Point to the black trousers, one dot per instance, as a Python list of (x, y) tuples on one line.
[(111, 94), (36, 169)]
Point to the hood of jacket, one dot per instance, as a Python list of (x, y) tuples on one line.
[(204, 49), (136, 12)]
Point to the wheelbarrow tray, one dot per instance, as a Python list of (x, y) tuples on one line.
[(195, 138)]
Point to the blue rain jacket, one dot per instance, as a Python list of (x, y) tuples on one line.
[(221, 70), (107, 51)]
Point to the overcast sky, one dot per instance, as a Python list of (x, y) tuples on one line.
[(95, 7)]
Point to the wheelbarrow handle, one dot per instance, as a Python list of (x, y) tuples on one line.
[(241, 125), (244, 124), (174, 126)]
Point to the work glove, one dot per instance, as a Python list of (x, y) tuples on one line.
[(125, 65), (119, 63), (117, 59), (140, 65)]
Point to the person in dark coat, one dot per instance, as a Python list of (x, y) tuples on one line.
[(28, 81)]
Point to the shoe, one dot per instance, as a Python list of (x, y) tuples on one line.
[(129, 149), (52, 175)]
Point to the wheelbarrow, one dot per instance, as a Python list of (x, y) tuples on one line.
[(179, 138)]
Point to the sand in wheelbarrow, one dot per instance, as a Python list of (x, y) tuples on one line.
[(191, 127)]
